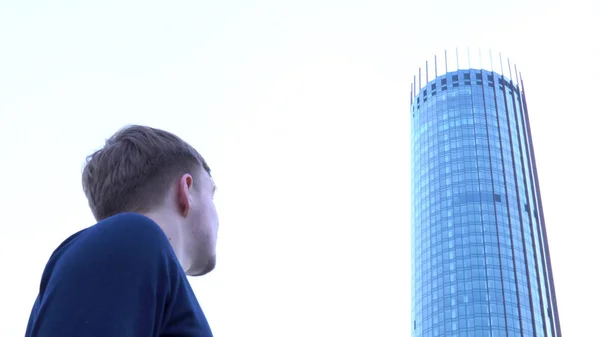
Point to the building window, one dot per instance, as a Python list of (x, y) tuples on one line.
[(478, 79), (501, 83), (455, 80)]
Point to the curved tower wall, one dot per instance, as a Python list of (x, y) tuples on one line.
[(480, 260)]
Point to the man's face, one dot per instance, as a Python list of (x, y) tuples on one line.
[(200, 231)]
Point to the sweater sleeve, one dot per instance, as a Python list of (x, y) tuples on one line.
[(115, 280)]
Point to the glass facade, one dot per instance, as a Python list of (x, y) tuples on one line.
[(480, 260)]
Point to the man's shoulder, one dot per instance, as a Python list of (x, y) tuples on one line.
[(125, 236), (117, 274), (127, 226)]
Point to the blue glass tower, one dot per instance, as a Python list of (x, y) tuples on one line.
[(480, 259)]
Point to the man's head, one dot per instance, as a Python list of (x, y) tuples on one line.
[(155, 173)]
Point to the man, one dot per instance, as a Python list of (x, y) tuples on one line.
[(152, 195)]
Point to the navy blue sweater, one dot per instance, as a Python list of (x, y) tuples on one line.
[(118, 278)]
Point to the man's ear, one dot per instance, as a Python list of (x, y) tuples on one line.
[(184, 198)]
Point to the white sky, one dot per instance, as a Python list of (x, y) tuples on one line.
[(302, 110)]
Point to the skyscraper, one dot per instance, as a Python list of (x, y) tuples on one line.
[(480, 259)]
